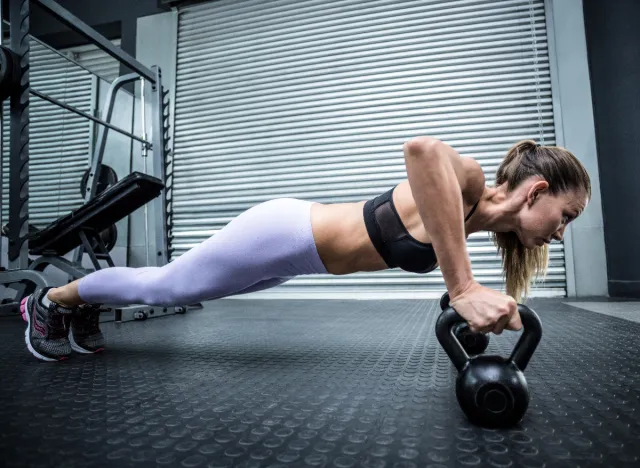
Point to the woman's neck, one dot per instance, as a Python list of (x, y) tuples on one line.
[(497, 211)]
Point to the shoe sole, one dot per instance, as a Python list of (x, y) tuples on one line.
[(27, 338), (79, 349)]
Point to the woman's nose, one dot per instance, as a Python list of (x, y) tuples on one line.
[(559, 234)]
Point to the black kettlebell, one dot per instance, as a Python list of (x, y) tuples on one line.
[(491, 390), (472, 342)]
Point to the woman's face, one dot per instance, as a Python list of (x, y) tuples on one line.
[(545, 217)]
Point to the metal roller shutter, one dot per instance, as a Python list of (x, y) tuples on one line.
[(59, 140), (97, 61), (314, 99)]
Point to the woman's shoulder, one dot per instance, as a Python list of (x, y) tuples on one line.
[(475, 180)]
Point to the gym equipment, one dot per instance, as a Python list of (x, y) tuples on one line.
[(472, 342), (491, 390), (109, 237), (107, 178), (32, 230), (90, 228), (7, 73), (90, 220)]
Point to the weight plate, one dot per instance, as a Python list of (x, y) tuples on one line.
[(107, 178)]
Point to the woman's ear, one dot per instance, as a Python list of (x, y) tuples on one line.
[(537, 188)]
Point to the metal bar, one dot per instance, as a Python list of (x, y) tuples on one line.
[(1, 130), (158, 168), (104, 253), (61, 263), (143, 112), (34, 277), (95, 105), (75, 24), (55, 51), (78, 254), (85, 115), (1, 156), (18, 253), (98, 151), (89, 250)]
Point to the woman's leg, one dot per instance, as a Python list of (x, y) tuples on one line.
[(263, 247), (68, 295)]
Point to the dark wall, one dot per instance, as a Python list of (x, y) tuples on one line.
[(114, 18), (613, 43)]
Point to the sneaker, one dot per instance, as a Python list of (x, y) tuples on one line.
[(84, 334), (46, 334)]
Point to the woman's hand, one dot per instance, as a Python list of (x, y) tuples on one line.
[(486, 310)]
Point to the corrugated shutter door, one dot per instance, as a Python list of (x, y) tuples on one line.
[(314, 99), (59, 140), (100, 63)]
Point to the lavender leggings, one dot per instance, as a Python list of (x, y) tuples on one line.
[(263, 247)]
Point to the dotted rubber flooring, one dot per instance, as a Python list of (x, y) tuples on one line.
[(292, 383)]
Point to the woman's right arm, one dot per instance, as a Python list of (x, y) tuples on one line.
[(439, 178)]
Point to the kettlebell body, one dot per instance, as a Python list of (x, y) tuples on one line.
[(472, 342), (492, 392)]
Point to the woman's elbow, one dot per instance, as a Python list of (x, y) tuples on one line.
[(421, 146)]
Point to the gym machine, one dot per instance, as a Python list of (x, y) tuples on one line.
[(83, 228)]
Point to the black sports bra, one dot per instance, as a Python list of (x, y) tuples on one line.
[(392, 240)]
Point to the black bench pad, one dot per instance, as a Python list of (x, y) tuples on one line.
[(112, 205)]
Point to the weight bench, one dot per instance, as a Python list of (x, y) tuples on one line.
[(84, 225), (81, 227)]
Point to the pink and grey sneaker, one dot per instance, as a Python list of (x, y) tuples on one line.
[(84, 334), (46, 334)]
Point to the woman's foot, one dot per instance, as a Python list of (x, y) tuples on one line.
[(46, 333), (84, 333)]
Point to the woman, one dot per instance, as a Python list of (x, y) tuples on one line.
[(419, 225)]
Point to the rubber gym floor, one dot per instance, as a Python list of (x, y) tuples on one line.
[(293, 383)]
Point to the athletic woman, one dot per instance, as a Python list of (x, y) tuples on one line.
[(419, 225)]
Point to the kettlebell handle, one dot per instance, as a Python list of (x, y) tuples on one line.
[(530, 338), (521, 354)]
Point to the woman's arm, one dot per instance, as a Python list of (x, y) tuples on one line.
[(439, 180)]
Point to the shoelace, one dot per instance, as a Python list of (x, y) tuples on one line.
[(56, 325), (87, 320)]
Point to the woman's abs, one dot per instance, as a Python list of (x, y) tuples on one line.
[(342, 240)]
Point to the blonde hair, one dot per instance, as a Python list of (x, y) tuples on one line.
[(562, 170)]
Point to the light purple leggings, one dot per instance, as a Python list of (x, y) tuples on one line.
[(263, 247)]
